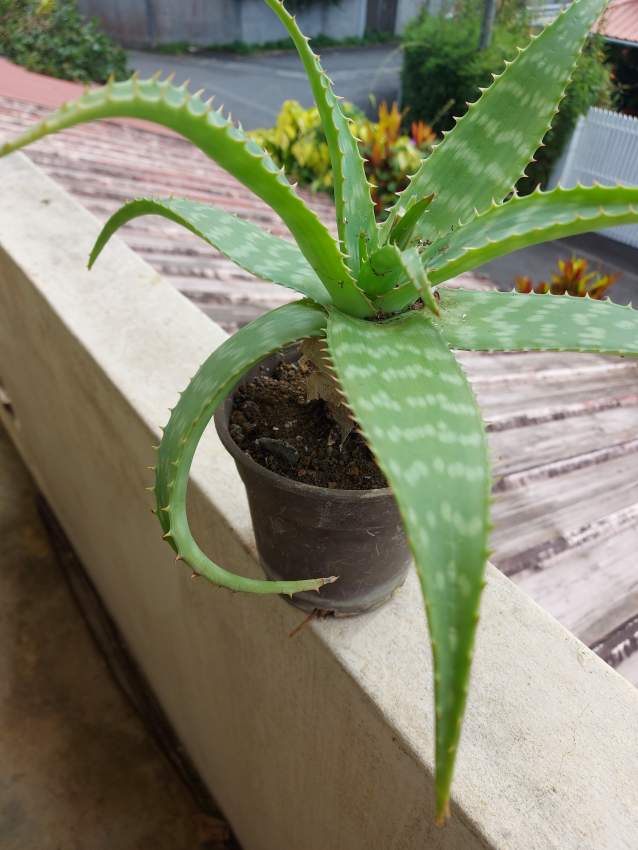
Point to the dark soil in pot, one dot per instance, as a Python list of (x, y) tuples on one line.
[(318, 502), (282, 431)]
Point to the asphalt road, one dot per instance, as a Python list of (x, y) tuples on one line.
[(253, 87)]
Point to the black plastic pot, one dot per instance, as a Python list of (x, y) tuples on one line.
[(303, 531)]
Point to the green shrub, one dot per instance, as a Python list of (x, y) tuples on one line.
[(443, 70), (298, 144), (51, 37), (624, 61)]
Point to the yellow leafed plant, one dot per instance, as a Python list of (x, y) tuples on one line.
[(297, 142)]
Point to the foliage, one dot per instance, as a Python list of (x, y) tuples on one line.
[(572, 279), (388, 335), (244, 48), (623, 60), (443, 71), (297, 142), (391, 156), (511, 14), (51, 37)]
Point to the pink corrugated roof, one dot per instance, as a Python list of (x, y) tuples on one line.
[(620, 21)]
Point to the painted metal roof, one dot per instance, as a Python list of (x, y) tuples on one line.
[(620, 21)]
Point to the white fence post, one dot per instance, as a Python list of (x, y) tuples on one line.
[(564, 164), (603, 149)]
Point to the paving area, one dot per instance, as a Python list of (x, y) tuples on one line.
[(78, 769), (253, 87)]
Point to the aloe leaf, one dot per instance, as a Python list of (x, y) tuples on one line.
[(528, 221), (513, 321), (206, 391), (247, 245), (403, 227), (482, 158), (390, 272), (190, 116), (419, 415), (516, 224), (355, 210), (418, 278), (397, 299), (397, 278), (381, 271)]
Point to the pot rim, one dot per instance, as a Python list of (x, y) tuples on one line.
[(222, 414)]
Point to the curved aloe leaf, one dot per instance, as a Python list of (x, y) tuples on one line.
[(355, 210), (390, 272), (193, 118), (247, 245), (481, 159), (417, 277), (382, 270), (206, 391), (512, 321), (397, 299), (420, 418), (515, 224), (528, 221), (403, 227)]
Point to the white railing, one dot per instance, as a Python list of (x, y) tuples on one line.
[(603, 149)]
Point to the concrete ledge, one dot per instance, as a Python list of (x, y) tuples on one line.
[(319, 742)]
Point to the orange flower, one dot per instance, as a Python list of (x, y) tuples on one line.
[(572, 279), (422, 134)]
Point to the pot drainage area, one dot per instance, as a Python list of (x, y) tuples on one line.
[(79, 768)]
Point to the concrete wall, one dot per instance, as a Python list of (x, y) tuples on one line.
[(259, 25), (323, 741), (140, 23), (408, 9)]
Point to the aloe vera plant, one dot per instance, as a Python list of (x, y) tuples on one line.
[(374, 297)]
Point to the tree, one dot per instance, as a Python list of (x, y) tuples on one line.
[(487, 24)]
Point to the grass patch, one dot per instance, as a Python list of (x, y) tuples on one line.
[(241, 48)]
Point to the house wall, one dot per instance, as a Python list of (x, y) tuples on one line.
[(258, 24), (142, 23), (408, 9)]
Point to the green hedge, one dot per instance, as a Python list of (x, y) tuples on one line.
[(624, 61), (51, 37), (443, 70)]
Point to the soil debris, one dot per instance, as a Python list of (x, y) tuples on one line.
[(273, 422)]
